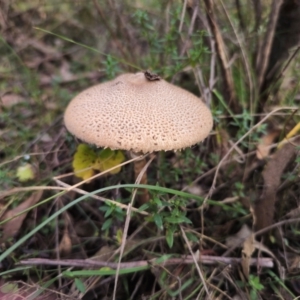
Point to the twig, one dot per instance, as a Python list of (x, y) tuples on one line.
[(74, 187), (220, 47), (257, 10), (265, 262), (244, 55), (278, 224), (195, 261), (263, 54), (287, 64), (240, 16), (182, 16)]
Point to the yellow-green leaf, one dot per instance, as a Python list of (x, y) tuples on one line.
[(25, 173), (83, 161), (107, 159), (86, 161)]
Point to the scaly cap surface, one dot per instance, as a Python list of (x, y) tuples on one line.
[(134, 113)]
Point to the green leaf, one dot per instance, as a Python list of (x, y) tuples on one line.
[(157, 201), (86, 161), (108, 159), (192, 237), (80, 285), (158, 221), (109, 211), (144, 207), (106, 224), (9, 288), (83, 160), (177, 219), (170, 237)]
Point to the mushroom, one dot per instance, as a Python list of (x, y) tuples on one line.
[(140, 113)]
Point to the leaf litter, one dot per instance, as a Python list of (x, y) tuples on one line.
[(14, 224)]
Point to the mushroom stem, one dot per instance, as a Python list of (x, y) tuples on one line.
[(143, 194), (140, 176)]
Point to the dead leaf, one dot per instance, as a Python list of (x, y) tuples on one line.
[(295, 263), (18, 290), (264, 146), (65, 245), (238, 239), (84, 229), (106, 253), (248, 249), (245, 238), (265, 205), (11, 228), (195, 189), (9, 100), (222, 140)]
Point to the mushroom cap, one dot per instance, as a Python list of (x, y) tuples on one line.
[(134, 113)]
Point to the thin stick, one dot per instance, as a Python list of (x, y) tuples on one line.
[(246, 61), (196, 263), (264, 262), (265, 50), (220, 47), (182, 16), (278, 224)]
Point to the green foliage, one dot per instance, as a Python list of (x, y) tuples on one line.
[(112, 213), (111, 65), (86, 161), (163, 51), (255, 286), (167, 215), (80, 285)]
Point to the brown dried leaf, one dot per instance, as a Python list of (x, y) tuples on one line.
[(263, 148), (238, 238), (9, 100), (106, 253), (248, 249), (65, 245), (18, 290), (11, 228), (265, 205)]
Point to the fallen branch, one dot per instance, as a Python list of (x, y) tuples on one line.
[(90, 263)]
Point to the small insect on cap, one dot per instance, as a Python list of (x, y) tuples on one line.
[(138, 112)]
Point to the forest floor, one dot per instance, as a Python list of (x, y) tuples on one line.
[(221, 220)]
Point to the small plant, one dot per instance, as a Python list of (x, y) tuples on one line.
[(112, 213), (167, 215), (255, 286)]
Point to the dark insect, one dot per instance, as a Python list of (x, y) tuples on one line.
[(151, 76)]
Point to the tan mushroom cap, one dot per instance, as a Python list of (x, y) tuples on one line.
[(134, 113)]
